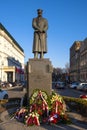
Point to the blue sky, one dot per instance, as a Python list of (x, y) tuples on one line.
[(67, 21)]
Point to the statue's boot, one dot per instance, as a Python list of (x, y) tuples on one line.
[(41, 55), (36, 55)]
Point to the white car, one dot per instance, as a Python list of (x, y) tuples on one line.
[(60, 85), (85, 88), (74, 85), (80, 86), (3, 94)]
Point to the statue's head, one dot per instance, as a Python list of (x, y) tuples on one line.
[(39, 11)]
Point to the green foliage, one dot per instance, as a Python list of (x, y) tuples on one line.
[(77, 104), (35, 93)]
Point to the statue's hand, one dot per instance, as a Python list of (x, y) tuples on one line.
[(40, 30)]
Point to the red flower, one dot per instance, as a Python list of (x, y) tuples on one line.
[(54, 118), (39, 112), (83, 96), (29, 121), (36, 121)]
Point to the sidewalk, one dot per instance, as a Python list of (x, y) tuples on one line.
[(78, 123), (11, 88)]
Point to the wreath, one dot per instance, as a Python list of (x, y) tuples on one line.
[(43, 109), (36, 93)]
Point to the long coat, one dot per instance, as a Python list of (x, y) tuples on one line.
[(40, 26)]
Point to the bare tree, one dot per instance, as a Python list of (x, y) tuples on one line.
[(67, 67)]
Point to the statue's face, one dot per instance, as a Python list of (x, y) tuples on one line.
[(39, 14)]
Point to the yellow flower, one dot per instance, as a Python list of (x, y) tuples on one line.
[(56, 98)]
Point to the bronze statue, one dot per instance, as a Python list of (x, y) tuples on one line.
[(40, 26)]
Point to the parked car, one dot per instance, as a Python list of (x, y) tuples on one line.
[(12, 84), (80, 86), (3, 94), (60, 85), (85, 88), (4, 84), (74, 85)]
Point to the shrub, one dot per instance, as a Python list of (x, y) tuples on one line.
[(77, 104)]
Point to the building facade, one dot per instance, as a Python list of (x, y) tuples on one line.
[(83, 61), (11, 58), (78, 61)]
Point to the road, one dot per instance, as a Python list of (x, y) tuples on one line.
[(17, 92), (70, 92)]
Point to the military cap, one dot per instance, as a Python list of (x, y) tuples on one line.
[(39, 10)]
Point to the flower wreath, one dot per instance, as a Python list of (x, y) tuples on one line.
[(35, 95), (56, 97), (32, 119), (39, 102), (57, 104), (43, 109)]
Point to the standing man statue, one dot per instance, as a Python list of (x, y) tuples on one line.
[(40, 26)]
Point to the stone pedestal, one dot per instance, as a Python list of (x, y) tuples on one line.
[(39, 75)]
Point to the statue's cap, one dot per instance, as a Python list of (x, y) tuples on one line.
[(39, 10)]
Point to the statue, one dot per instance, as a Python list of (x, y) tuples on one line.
[(40, 26)]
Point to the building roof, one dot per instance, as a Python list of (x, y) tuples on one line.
[(15, 42)]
